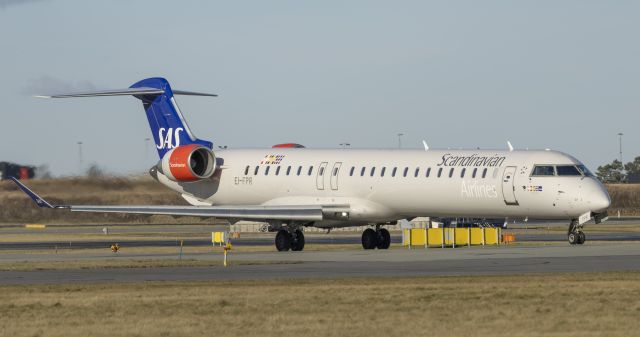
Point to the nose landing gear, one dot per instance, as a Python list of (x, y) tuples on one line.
[(575, 235)]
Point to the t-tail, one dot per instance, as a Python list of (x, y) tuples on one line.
[(168, 126), (183, 157), (167, 123)]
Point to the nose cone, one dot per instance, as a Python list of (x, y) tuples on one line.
[(600, 200)]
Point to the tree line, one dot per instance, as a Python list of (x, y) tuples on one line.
[(616, 172)]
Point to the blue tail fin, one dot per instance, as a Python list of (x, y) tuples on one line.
[(168, 126)]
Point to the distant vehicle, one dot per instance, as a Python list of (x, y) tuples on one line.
[(291, 187), (22, 172)]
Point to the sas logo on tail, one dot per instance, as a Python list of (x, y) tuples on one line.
[(169, 138)]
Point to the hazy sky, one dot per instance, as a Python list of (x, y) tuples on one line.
[(557, 74)]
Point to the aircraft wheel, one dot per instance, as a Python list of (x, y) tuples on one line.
[(384, 239), (297, 244), (581, 238), (369, 239), (573, 238), (283, 241)]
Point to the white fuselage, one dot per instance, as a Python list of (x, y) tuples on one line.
[(502, 186)]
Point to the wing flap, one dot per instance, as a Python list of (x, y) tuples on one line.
[(301, 213)]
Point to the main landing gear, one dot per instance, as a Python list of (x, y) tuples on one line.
[(378, 238), (286, 240), (575, 234)]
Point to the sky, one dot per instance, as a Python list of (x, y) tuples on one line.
[(460, 74)]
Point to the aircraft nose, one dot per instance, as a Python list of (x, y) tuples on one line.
[(600, 201)]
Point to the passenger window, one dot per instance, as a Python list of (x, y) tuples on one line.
[(475, 170), (255, 172), (462, 172), (373, 171), (246, 170), (288, 170), (439, 172), (299, 170), (321, 172), (567, 170), (266, 171), (428, 172), (484, 173), (406, 170), (310, 170), (353, 168), (417, 172), (382, 171), (451, 172), (393, 172), (277, 170), (542, 170), (335, 171), (362, 171)]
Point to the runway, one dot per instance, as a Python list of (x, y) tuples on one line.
[(358, 263)]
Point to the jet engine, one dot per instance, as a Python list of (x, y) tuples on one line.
[(188, 163)]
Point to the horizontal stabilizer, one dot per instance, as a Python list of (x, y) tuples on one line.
[(141, 91)]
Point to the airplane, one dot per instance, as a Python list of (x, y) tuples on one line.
[(291, 187)]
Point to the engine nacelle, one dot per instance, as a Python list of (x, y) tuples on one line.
[(188, 163)]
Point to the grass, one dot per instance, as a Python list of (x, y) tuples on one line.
[(625, 198), (581, 304)]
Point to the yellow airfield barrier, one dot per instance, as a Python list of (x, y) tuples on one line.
[(443, 237), (35, 226), (219, 237)]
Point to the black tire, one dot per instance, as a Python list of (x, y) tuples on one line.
[(369, 239), (581, 238), (384, 239), (573, 238), (297, 244), (283, 241)]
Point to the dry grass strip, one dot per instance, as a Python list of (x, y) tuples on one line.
[(581, 304)]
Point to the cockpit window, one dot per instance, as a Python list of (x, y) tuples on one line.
[(568, 170), (585, 171), (543, 170)]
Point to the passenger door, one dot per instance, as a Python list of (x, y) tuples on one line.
[(320, 175), (508, 186), (335, 173)]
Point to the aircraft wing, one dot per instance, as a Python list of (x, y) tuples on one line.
[(244, 212)]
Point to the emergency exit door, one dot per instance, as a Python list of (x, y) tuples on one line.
[(320, 175), (335, 172)]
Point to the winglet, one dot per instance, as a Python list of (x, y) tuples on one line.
[(36, 198)]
